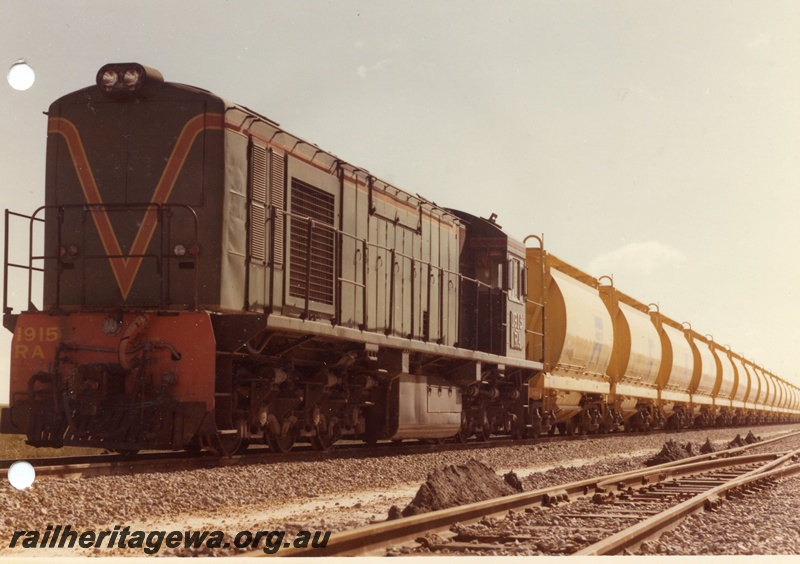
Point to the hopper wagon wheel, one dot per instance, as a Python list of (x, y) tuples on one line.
[(563, 428), (534, 432)]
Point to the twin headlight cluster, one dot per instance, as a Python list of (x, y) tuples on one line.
[(123, 78)]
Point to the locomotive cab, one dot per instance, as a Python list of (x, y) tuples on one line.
[(493, 289)]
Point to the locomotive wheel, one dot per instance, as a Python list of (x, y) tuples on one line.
[(223, 443), (280, 443), (462, 435), (534, 432), (486, 430), (323, 438)]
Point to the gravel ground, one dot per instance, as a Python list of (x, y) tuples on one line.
[(332, 495), (767, 523)]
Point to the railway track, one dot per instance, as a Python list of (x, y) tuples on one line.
[(119, 464), (111, 464), (602, 515)]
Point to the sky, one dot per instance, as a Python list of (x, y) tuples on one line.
[(656, 141)]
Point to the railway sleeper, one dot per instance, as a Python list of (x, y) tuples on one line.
[(552, 498)]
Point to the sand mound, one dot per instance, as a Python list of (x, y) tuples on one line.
[(748, 440), (458, 485), (670, 452)]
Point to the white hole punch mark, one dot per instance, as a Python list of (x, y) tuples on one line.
[(21, 475), (21, 75)]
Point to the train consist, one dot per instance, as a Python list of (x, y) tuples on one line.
[(211, 280)]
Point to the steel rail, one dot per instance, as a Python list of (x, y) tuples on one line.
[(691, 464), (649, 527)]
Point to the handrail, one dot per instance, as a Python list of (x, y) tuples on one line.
[(395, 259), (7, 264), (55, 254)]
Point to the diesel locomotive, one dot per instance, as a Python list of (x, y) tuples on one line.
[(211, 280)]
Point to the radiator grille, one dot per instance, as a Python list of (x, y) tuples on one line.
[(310, 202), (276, 183), (258, 201)]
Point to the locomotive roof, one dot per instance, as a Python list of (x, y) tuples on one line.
[(482, 226), (315, 152), (153, 84)]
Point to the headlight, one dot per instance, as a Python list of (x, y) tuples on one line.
[(179, 250), (124, 78), (131, 78), (110, 78)]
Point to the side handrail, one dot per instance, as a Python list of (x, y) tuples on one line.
[(395, 259), (7, 264)]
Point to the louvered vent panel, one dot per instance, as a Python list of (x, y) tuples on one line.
[(258, 200), (309, 202), (276, 199)]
